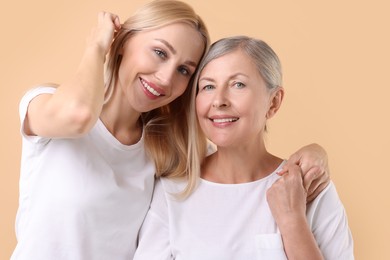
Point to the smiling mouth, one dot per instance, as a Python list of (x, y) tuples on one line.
[(150, 89), (224, 120)]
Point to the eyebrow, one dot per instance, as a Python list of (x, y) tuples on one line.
[(170, 47), (230, 78)]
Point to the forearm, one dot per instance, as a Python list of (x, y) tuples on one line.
[(298, 240), (75, 105), (83, 94), (73, 109)]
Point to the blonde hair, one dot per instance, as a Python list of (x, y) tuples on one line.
[(165, 128), (268, 66)]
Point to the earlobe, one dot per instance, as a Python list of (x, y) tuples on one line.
[(276, 102)]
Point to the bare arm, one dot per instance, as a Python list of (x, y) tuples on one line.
[(76, 105), (287, 201), (313, 161)]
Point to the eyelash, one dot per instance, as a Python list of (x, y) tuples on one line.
[(163, 55), (239, 84), (236, 84), (186, 71), (208, 87)]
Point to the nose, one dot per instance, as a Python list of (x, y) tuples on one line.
[(221, 99), (165, 74)]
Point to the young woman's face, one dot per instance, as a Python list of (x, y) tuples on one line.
[(232, 101), (157, 65)]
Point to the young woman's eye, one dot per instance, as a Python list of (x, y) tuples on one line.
[(161, 53), (184, 71)]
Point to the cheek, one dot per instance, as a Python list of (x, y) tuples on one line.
[(199, 106), (125, 70), (179, 88)]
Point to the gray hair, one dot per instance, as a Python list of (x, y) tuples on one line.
[(261, 54)]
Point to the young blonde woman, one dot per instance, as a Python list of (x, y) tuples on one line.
[(93, 144), (241, 208)]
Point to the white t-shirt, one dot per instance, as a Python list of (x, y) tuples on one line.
[(233, 221), (83, 198)]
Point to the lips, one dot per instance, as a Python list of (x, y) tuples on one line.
[(224, 120), (155, 91)]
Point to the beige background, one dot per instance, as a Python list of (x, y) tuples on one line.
[(336, 65)]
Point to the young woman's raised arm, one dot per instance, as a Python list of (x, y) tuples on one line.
[(76, 104)]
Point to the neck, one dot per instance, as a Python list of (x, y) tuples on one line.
[(240, 164), (121, 119)]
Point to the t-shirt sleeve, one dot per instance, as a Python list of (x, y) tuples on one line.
[(329, 224), (23, 106), (153, 241)]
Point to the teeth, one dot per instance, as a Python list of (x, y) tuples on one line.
[(224, 120), (150, 89)]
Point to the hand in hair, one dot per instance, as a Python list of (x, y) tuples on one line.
[(103, 33)]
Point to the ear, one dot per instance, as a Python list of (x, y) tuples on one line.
[(275, 102)]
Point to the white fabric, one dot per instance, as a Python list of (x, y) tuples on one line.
[(233, 221), (83, 198)]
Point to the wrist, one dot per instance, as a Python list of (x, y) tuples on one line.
[(292, 223), (95, 50)]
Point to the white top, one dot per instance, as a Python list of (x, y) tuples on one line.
[(233, 221), (81, 198)]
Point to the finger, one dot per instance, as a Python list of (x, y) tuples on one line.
[(295, 172), (110, 16), (317, 191), (282, 171), (318, 186), (117, 23), (294, 159), (310, 175)]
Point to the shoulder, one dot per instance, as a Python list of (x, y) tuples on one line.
[(31, 94), (166, 191), (326, 206), (329, 223), (170, 186), (41, 89)]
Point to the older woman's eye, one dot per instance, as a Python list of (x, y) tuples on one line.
[(239, 84), (208, 87)]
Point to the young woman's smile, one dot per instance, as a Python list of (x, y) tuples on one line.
[(157, 65), (152, 90)]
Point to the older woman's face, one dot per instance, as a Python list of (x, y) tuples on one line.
[(232, 101)]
